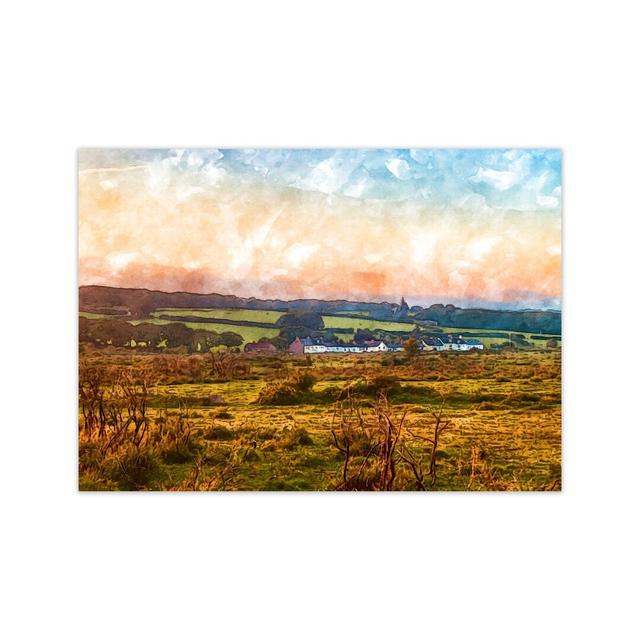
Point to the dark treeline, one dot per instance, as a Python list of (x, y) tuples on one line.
[(120, 333), (549, 322)]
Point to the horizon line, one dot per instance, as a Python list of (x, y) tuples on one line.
[(232, 295)]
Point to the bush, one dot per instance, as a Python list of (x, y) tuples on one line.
[(291, 390), (379, 383), (136, 469), (178, 453), (89, 456), (219, 433), (289, 439)]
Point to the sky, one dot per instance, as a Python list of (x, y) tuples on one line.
[(472, 227)]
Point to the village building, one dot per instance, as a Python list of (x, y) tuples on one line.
[(431, 344), (260, 347), (307, 345), (375, 345), (450, 343)]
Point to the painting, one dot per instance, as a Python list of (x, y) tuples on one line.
[(322, 319)]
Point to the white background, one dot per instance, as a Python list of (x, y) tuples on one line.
[(319, 74)]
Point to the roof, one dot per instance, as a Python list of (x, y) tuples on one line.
[(453, 340), (259, 346)]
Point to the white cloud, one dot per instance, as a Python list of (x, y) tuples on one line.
[(359, 188), (421, 156), (501, 180), (399, 168), (184, 193), (213, 173), (505, 179), (298, 254), (548, 201), (479, 248), (328, 176), (120, 260)]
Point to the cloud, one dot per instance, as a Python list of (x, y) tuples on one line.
[(504, 179), (399, 168)]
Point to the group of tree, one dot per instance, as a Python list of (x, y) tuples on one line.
[(120, 333), (528, 321)]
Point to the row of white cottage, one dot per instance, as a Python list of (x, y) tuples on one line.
[(446, 343)]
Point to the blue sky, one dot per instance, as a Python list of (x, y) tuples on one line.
[(513, 179)]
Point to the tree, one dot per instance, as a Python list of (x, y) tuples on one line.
[(411, 347), (304, 320)]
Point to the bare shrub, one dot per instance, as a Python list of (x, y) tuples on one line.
[(379, 450), (227, 366)]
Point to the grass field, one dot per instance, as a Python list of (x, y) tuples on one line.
[(95, 316), (254, 315), (504, 412), (337, 322), (249, 334)]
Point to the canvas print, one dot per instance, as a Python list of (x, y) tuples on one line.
[(319, 319)]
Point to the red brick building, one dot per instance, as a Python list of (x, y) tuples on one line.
[(259, 347)]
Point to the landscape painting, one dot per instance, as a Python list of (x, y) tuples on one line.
[(319, 319)]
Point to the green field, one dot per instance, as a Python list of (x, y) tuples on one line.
[(249, 334), (96, 316), (251, 315), (337, 322)]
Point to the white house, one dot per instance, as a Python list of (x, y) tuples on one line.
[(450, 343), (316, 345), (431, 344), (460, 344), (375, 345)]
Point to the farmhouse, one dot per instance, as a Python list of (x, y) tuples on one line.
[(450, 343), (259, 347), (375, 345), (431, 344)]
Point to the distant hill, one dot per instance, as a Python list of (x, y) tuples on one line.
[(140, 303)]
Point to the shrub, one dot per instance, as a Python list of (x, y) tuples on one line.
[(289, 438), (291, 390), (379, 383), (89, 456), (136, 469), (178, 453), (219, 433)]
